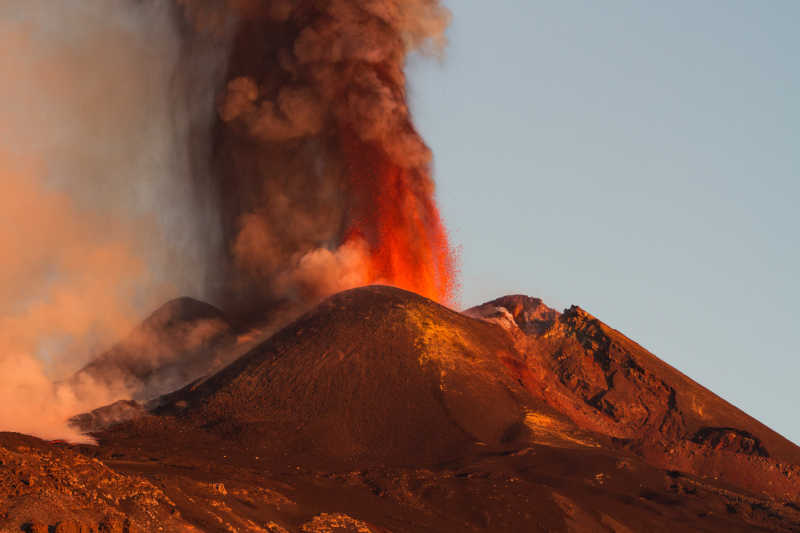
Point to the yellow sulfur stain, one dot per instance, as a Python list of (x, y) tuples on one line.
[(549, 431), (436, 341)]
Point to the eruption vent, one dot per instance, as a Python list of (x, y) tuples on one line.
[(324, 184)]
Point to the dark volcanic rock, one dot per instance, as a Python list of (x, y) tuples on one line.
[(55, 488), (606, 383), (382, 411), (374, 374), (730, 439)]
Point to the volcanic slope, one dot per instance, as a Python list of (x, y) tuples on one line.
[(608, 384), (373, 375), (382, 378), (380, 410), (182, 340)]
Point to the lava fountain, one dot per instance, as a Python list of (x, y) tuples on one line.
[(323, 182), (396, 215)]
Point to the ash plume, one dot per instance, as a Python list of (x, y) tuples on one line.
[(100, 221), (323, 182), (258, 154)]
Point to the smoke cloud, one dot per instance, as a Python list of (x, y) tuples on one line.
[(322, 180), (258, 154), (99, 219)]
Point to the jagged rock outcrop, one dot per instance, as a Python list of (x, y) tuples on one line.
[(606, 383)]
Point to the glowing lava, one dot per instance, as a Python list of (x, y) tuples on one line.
[(395, 212)]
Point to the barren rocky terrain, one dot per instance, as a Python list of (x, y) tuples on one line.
[(380, 410)]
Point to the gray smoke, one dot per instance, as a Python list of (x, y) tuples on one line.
[(101, 216)]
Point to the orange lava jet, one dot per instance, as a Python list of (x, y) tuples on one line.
[(395, 212)]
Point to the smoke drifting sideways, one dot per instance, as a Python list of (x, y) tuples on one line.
[(99, 219), (257, 154)]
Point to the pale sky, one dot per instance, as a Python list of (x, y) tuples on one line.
[(638, 159)]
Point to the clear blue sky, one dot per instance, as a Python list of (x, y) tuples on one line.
[(641, 160)]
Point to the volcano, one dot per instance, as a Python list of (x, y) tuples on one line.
[(380, 410), (175, 344)]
